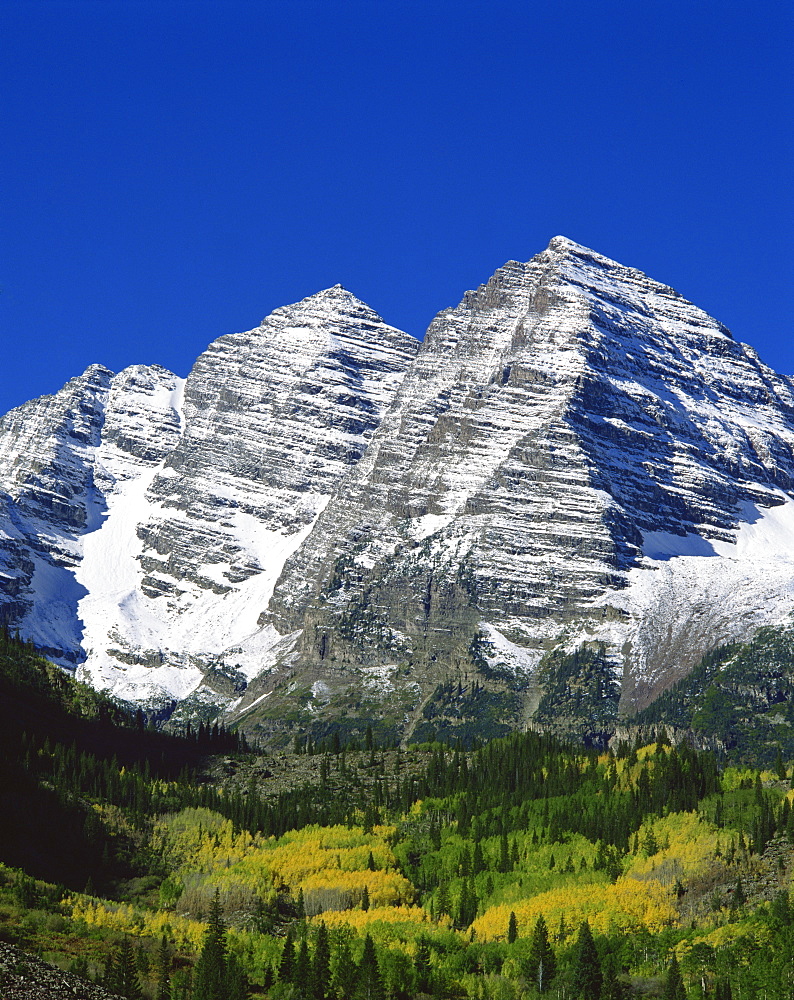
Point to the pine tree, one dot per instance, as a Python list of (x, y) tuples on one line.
[(586, 974), (504, 853), (541, 965), (443, 904), (370, 984), (345, 972), (674, 984), (321, 965), (109, 978), (303, 970), (512, 929), (162, 989), (237, 985), (210, 972), (422, 969), (611, 987), (738, 898), (286, 968), (126, 982)]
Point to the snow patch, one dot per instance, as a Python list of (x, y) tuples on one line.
[(519, 659)]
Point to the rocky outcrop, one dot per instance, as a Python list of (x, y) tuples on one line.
[(27, 977), (577, 454), (149, 516), (324, 523)]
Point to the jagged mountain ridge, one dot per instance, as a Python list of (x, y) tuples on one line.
[(173, 535), (576, 453)]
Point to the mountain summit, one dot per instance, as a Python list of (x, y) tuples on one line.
[(330, 520)]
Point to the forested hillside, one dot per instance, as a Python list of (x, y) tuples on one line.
[(197, 868)]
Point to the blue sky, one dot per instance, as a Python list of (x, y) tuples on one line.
[(173, 171)]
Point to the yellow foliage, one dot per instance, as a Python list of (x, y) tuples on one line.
[(687, 844), (364, 919), (626, 905), (384, 888), (728, 934), (315, 858), (125, 919)]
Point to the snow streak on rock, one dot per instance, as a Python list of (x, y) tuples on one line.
[(164, 510), (561, 411)]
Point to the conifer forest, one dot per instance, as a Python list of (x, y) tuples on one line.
[(198, 866)]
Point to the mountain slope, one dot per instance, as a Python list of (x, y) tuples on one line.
[(578, 454), (327, 521), (148, 516)]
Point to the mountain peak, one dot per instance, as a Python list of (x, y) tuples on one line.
[(563, 243), (336, 299)]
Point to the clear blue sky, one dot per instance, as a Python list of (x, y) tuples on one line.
[(174, 171)]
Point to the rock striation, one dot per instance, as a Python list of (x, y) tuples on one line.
[(160, 510), (577, 455), (328, 521)]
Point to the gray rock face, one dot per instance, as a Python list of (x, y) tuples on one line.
[(61, 458), (273, 418), (574, 446), (322, 517), (148, 517)]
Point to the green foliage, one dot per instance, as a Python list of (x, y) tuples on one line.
[(210, 973), (579, 690), (741, 694), (541, 964), (586, 978), (471, 834), (674, 984)]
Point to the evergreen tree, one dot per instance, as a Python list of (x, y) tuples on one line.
[(541, 965), (422, 969), (586, 976), (182, 988), (237, 985), (109, 976), (512, 929), (210, 972), (286, 968), (738, 898), (443, 904), (321, 965), (504, 853), (126, 981), (611, 986), (303, 970), (345, 972), (162, 989), (674, 984), (370, 984)]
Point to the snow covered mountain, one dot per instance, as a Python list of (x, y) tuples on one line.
[(577, 455), (329, 521), (147, 517)]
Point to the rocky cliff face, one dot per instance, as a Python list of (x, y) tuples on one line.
[(168, 507), (62, 459), (577, 455), (325, 525)]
